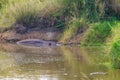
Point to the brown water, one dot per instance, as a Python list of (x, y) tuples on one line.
[(55, 63)]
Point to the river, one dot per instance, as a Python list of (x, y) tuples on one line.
[(55, 63)]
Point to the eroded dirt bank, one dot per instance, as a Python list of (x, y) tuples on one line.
[(12, 36), (42, 28)]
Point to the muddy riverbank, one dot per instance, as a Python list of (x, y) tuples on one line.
[(11, 36)]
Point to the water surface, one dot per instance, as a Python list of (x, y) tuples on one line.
[(55, 63)]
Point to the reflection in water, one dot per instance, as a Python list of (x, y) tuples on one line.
[(54, 63)]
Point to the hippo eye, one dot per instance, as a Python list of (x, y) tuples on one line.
[(49, 44)]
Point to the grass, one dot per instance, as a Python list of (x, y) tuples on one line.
[(115, 54), (115, 33), (72, 29), (106, 33), (24, 12), (97, 34), (91, 9), (2, 3), (114, 42), (80, 14), (3, 56)]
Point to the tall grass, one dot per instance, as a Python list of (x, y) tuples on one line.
[(116, 6), (24, 11), (91, 9), (115, 33), (2, 3), (114, 43), (79, 13), (96, 12), (115, 54)]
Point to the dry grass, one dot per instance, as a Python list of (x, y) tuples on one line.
[(72, 29), (26, 10)]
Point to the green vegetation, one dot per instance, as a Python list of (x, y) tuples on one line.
[(2, 3), (81, 14), (68, 13), (115, 54), (72, 29), (114, 42), (101, 33), (97, 34), (115, 33), (90, 9)]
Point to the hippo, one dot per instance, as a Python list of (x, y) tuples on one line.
[(37, 43)]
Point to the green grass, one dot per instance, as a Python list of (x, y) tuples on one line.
[(115, 54), (72, 29), (97, 34), (115, 33), (114, 43), (91, 9), (79, 13), (93, 12)]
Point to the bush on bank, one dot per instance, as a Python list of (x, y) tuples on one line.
[(115, 54)]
